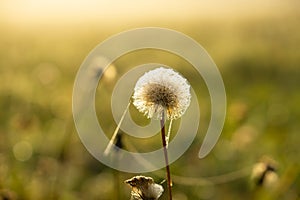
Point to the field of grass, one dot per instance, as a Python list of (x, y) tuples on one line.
[(42, 157)]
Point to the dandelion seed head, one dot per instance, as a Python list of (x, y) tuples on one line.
[(162, 90)]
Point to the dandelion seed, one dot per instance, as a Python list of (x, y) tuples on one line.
[(144, 188), (162, 90)]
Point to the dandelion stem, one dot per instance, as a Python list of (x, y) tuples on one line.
[(164, 143)]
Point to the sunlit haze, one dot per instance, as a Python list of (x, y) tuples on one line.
[(56, 11)]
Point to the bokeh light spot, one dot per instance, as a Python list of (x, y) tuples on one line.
[(22, 151)]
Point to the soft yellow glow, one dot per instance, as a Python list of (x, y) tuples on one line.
[(56, 11), (111, 73)]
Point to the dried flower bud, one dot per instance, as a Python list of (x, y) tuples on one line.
[(264, 172), (144, 188)]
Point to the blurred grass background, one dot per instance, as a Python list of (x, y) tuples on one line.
[(255, 46)]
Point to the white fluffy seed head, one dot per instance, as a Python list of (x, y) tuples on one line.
[(162, 90)]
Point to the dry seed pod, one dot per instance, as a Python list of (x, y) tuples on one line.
[(144, 188), (264, 172)]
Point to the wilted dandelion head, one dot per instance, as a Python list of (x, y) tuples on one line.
[(162, 90), (264, 173), (144, 188)]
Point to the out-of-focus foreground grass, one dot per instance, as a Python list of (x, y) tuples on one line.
[(41, 156)]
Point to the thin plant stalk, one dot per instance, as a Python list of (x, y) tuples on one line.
[(113, 138), (116, 174), (164, 143), (169, 132)]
